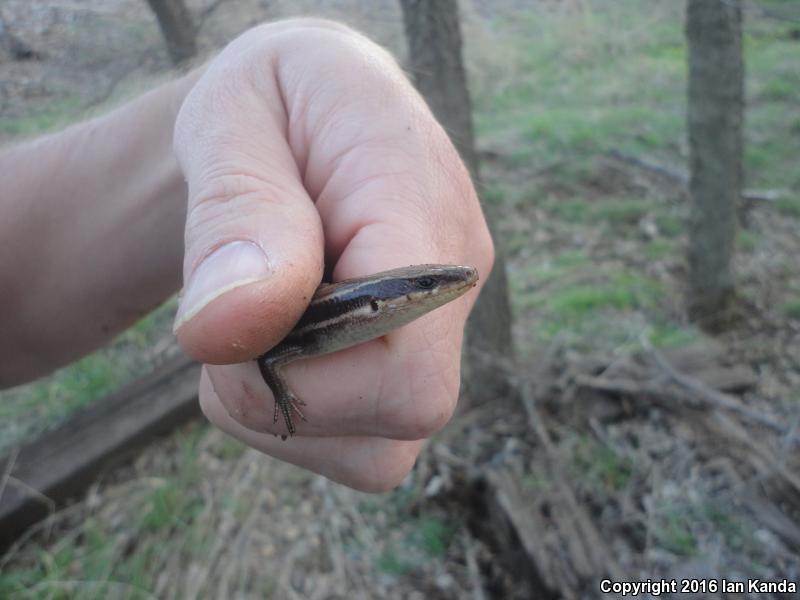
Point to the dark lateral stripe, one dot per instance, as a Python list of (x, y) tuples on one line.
[(350, 288), (340, 299), (325, 310)]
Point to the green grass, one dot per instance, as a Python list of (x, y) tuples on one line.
[(174, 503), (601, 466), (675, 532), (577, 300), (30, 409), (563, 87), (615, 77), (618, 291), (392, 563), (670, 225), (570, 211), (670, 335), (583, 87), (660, 248), (536, 482), (727, 523), (593, 130), (578, 84), (425, 538), (618, 215), (34, 408), (536, 274), (789, 207), (59, 114), (779, 89), (493, 196), (747, 241), (416, 539), (124, 559), (434, 536), (622, 213), (574, 303), (792, 308), (679, 526)]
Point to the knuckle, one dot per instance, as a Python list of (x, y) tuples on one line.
[(488, 250), (317, 23), (431, 396), (223, 185)]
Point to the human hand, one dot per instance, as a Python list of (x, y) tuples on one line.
[(303, 145)]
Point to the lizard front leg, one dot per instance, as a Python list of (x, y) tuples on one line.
[(271, 367)]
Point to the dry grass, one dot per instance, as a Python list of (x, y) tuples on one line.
[(596, 261)]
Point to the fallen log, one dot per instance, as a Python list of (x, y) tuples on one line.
[(62, 463)]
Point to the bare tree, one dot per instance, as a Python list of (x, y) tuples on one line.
[(176, 25), (434, 41), (715, 108)]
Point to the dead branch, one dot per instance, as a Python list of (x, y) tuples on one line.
[(590, 538), (773, 518), (681, 178), (707, 394), (678, 176), (11, 460), (759, 455), (473, 570)]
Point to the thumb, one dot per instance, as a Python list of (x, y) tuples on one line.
[(254, 242)]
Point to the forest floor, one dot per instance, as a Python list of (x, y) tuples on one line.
[(632, 445)]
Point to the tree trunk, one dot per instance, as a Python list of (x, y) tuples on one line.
[(176, 25), (434, 41), (715, 107)]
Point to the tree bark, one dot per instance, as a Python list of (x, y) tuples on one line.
[(176, 25), (715, 109), (434, 41)]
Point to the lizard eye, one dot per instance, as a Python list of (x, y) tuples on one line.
[(426, 282), (375, 306)]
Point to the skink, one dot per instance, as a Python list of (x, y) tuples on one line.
[(353, 311)]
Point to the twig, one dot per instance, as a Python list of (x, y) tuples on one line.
[(791, 436), (286, 569), (763, 195), (332, 533), (682, 178), (708, 394), (678, 177), (771, 516), (589, 537), (664, 396), (76, 588), (760, 456), (475, 579), (592, 539), (12, 459)]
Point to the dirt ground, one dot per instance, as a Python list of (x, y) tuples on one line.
[(630, 445)]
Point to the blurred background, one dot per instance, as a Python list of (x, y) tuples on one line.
[(631, 402)]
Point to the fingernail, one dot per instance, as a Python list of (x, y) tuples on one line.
[(228, 267)]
